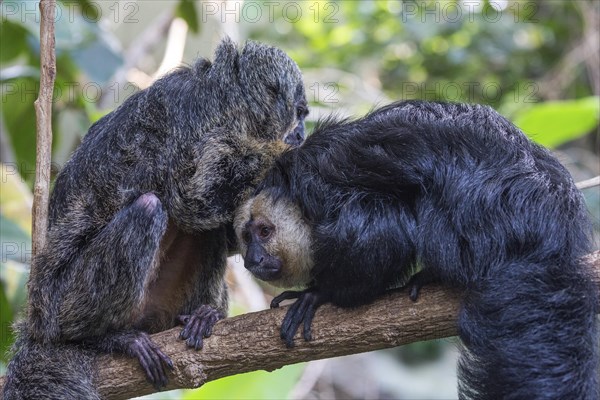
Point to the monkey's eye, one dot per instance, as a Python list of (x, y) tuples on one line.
[(301, 111), (265, 232)]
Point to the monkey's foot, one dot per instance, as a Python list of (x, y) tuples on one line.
[(302, 310), (416, 283), (151, 358), (198, 325)]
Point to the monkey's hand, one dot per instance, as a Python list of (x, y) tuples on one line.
[(214, 177), (199, 325), (302, 310)]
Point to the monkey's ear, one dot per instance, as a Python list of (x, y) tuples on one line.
[(262, 63), (226, 58)]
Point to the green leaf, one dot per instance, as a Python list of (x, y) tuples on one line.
[(187, 11), (18, 96), (14, 34), (554, 123), (252, 385), (26, 13)]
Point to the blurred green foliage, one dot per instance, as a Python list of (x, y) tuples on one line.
[(554, 123), (368, 51), (262, 385)]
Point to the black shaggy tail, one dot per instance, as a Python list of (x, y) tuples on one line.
[(44, 372), (530, 332)]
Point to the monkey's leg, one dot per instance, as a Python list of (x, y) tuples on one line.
[(118, 265)]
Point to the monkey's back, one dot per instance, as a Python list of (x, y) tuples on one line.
[(474, 188)]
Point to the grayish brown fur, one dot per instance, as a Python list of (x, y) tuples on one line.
[(138, 218)]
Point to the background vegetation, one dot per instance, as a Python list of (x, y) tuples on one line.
[(537, 62)]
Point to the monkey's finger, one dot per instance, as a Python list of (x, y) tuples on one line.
[(155, 366), (197, 335), (166, 360), (296, 320), (213, 320), (148, 366), (418, 281), (183, 319), (287, 295), (414, 292), (189, 327), (209, 327), (189, 331), (198, 342), (163, 357), (159, 367), (182, 334), (308, 318), (289, 317), (204, 327)]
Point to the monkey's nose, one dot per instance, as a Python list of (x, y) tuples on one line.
[(254, 262), (295, 138)]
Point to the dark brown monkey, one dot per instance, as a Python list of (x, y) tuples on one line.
[(137, 236)]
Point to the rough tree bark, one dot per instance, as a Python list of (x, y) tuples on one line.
[(43, 112), (251, 342)]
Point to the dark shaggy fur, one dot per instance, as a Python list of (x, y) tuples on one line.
[(137, 233), (461, 191)]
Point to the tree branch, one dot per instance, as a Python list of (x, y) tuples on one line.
[(43, 112), (251, 341)]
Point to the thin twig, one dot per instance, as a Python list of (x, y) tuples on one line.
[(43, 112), (588, 183)]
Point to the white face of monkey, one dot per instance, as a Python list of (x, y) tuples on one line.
[(274, 241)]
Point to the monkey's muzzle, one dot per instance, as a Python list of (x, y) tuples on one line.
[(266, 268)]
